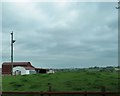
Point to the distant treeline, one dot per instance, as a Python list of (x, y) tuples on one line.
[(95, 68)]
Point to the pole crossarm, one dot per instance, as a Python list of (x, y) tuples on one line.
[(118, 7)]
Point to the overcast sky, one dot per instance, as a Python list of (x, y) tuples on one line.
[(61, 34)]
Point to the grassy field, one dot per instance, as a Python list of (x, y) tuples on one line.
[(62, 81)]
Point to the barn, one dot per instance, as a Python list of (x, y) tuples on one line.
[(19, 68), (22, 68)]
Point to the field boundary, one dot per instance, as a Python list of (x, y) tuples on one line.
[(50, 93)]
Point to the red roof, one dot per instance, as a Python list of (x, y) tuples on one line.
[(18, 63), (29, 68)]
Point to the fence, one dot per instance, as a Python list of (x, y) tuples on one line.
[(51, 93), (61, 93)]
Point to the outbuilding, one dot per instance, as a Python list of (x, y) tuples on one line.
[(19, 68)]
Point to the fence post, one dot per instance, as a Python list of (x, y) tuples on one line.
[(103, 89), (49, 88), (41, 94), (85, 93)]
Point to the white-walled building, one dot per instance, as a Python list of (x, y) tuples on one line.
[(18, 70)]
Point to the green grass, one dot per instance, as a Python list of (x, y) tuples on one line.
[(62, 81)]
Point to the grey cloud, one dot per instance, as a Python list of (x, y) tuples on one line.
[(77, 35)]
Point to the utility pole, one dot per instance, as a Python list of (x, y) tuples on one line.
[(118, 7), (12, 41)]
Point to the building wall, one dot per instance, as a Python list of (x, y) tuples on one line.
[(27, 72), (51, 71), (6, 69), (32, 72), (22, 69)]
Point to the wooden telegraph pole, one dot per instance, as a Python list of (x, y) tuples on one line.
[(12, 41)]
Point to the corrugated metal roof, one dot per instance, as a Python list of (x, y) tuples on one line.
[(17, 63), (28, 64), (29, 68)]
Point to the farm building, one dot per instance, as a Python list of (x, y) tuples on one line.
[(40, 70), (21, 68)]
